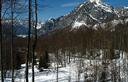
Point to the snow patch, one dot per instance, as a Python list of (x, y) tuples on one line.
[(23, 36), (96, 1), (115, 22), (93, 17), (39, 25), (81, 5), (126, 20), (104, 6), (78, 24)]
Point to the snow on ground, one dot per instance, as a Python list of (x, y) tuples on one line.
[(23, 36), (48, 75), (71, 71), (45, 76)]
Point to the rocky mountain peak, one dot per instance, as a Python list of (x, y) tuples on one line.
[(89, 13), (96, 1)]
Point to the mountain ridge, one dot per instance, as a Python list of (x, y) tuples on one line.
[(89, 13)]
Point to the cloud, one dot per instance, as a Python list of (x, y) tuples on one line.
[(70, 4)]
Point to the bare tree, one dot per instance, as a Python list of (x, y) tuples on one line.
[(12, 56), (1, 45), (29, 39), (35, 41)]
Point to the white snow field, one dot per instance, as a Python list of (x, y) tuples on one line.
[(48, 75), (79, 69)]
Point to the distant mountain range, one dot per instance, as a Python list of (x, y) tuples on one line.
[(20, 27)]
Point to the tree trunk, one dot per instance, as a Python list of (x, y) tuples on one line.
[(1, 41), (35, 41), (12, 54), (29, 39), (57, 67)]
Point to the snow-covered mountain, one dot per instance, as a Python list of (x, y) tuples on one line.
[(20, 27), (89, 13)]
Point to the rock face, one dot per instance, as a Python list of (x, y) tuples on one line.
[(89, 13)]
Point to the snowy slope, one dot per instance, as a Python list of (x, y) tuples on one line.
[(71, 71)]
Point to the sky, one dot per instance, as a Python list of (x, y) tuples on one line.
[(56, 8)]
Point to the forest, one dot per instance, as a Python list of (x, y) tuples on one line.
[(84, 54)]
